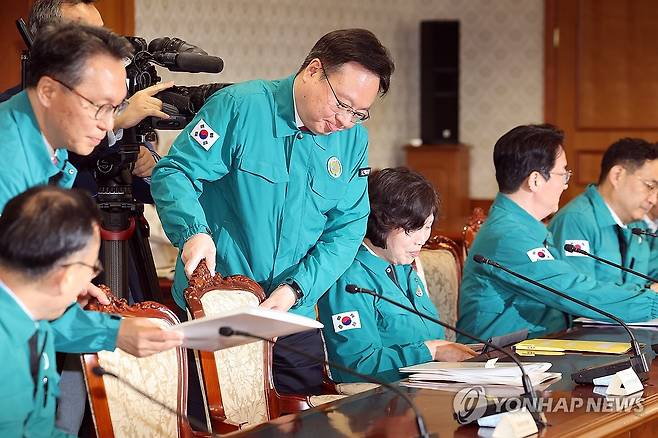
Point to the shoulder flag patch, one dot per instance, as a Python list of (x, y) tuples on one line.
[(364, 171), (204, 134), (346, 321), (539, 254), (580, 244)]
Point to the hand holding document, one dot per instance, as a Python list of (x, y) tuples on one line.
[(477, 373), (203, 333)]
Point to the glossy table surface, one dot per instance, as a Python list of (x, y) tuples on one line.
[(381, 413)]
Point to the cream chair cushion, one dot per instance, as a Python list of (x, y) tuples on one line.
[(440, 273), (240, 369), (132, 415)]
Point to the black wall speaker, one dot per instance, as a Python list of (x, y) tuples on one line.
[(439, 81)]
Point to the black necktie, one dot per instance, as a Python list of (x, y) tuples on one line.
[(623, 244), (34, 358)]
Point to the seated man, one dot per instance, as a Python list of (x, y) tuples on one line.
[(372, 335), (532, 173), (49, 242), (600, 220)]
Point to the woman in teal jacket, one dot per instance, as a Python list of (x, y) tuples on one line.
[(366, 333)]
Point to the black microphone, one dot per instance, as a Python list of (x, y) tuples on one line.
[(422, 431), (640, 232), (586, 376), (100, 372), (572, 248), (189, 62), (538, 416)]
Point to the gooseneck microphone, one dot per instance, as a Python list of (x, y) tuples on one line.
[(586, 376), (641, 232), (100, 372), (422, 431), (537, 415), (572, 248)]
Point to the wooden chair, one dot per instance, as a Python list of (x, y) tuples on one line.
[(118, 411), (471, 229), (440, 268), (238, 381)]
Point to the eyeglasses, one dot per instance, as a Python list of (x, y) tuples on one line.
[(96, 268), (566, 176), (356, 117), (102, 111), (652, 187)]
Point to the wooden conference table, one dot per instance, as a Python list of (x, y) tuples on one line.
[(380, 413)]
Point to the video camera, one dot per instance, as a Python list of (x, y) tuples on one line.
[(113, 172)]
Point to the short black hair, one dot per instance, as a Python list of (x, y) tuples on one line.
[(353, 45), (43, 226), (61, 51), (45, 12), (523, 150), (399, 198), (630, 153)]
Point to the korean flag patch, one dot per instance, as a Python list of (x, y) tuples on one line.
[(204, 134), (579, 244), (539, 254), (346, 321)]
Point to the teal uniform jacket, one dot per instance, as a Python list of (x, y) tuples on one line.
[(281, 204), (373, 336), (586, 221), (28, 164), (26, 411), (493, 302)]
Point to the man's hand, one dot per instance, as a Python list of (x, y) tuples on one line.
[(198, 247), (92, 291), (142, 337), (282, 298), (141, 105), (446, 351), (654, 287), (145, 163)]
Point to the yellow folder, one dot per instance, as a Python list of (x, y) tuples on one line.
[(563, 345)]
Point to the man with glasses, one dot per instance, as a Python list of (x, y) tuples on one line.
[(270, 181), (600, 219), (49, 242), (532, 173), (75, 88)]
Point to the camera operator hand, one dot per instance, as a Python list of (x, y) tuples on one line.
[(141, 105), (198, 247), (144, 164)]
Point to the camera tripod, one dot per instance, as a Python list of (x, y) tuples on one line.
[(125, 251)]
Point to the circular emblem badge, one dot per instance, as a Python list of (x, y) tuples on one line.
[(334, 167)]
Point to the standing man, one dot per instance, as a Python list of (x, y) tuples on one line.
[(270, 181), (532, 173), (600, 219)]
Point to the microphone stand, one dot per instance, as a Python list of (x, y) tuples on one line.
[(422, 431), (572, 248), (640, 231), (100, 372), (537, 415), (637, 361)]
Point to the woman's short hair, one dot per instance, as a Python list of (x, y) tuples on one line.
[(399, 198)]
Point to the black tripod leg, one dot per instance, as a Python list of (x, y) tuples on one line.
[(142, 260)]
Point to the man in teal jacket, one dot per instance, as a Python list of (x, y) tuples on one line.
[(369, 334), (49, 243), (269, 181), (531, 170), (76, 85), (600, 220)]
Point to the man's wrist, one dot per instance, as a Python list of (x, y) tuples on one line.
[(299, 294)]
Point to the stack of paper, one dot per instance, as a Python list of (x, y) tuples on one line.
[(653, 323), (475, 373)]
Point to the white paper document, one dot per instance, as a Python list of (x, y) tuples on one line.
[(587, 321), (203, 334), (475, 373)]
